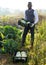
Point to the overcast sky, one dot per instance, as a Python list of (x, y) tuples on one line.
[(22, 4)]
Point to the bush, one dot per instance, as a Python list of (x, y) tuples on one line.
[(1, 36), (10, 36), (1, 44), (1, 39), (10, 46), (11, 39), (1, 29), (9, 30)]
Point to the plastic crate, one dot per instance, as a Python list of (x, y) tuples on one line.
[(20, 57)]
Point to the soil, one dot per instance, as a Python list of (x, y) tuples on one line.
[(6, 60)]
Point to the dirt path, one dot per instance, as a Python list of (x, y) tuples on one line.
[(5, 60)]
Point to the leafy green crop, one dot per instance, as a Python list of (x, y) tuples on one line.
[(10, 46), (12, 42)]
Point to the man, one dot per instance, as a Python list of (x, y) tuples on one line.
[(32, 17)]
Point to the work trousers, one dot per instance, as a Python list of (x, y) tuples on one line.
[(26, 29)]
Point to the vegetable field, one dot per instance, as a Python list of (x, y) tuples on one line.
[(10, 41)]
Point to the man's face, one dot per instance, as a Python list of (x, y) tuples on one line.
[(29, 5)]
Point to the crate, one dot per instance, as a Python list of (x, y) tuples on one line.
[(20, 56)]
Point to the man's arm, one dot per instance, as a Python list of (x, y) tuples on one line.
[(25, 16), (36, 17)]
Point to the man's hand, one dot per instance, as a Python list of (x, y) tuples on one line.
[(32, 25), (28, 22)]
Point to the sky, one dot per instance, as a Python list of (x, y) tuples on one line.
[(22, 4)]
